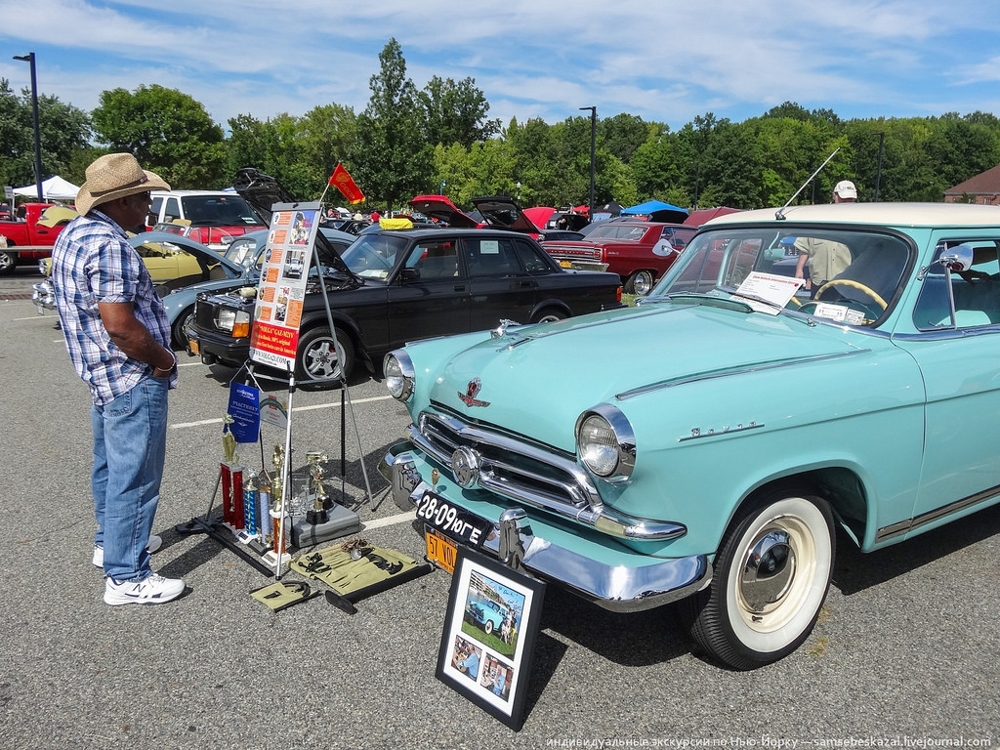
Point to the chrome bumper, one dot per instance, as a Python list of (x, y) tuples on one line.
[(619, 588), (43, 294)]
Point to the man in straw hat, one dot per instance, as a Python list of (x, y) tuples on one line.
[(118, 338)]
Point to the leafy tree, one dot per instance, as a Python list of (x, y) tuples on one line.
[(393, 160), (327, 135), (624, 133), (167, 131), (455, 113), (63, 129)]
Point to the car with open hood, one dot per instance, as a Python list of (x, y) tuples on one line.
[(394, 286), (716, 467)]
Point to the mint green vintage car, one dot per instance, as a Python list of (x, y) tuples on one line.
[(705, 444)]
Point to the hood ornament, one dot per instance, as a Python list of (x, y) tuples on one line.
[(501, 330), (471, 391)]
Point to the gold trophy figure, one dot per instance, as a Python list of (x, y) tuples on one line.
[(228, 441), (318, 514)]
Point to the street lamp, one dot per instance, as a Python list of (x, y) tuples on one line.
[(593, 153), (30, 59)]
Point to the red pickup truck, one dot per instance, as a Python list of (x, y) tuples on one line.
[(24, 240)]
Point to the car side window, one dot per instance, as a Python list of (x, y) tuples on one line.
[(531, 257), (976, 292), (434, 260), (491, 257)]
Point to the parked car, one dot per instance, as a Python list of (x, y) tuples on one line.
[(390, 287), (178, 266), (27, 238), (211, 217), (637, 250), (486, 614), (684, 471)]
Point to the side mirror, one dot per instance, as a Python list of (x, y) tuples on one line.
[(957, 259), (409, 274)]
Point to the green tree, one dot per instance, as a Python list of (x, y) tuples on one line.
[(623, 134), (394, 161), (63, 129), (455, 113), (328, 134), (167, 131)]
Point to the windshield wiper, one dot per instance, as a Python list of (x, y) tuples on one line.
[(711, 300)]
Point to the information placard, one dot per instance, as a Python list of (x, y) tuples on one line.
[(282, 288)]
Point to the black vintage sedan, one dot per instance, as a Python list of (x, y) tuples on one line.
[(393, 287)]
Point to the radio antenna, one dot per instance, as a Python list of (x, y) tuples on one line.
[(780, 213)]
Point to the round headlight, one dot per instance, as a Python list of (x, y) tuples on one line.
[(398, 371), (606, 443)]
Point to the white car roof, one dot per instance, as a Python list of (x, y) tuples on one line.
[(885, 214)]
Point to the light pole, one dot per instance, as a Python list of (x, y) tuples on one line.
[(30, 59), (593, 154)]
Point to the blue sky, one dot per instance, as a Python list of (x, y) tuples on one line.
[(662, 60)]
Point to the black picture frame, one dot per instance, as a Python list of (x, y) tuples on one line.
[(490, 663)]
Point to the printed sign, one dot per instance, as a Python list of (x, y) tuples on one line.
[(244, 408), (282, 288)]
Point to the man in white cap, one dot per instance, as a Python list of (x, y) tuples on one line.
[(845, 192), (826, 258), (118, 338)]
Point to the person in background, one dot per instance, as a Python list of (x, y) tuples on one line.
[(845, 192), (826, 258), (118, 337)]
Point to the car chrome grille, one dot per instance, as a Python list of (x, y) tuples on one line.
[(510, 466)]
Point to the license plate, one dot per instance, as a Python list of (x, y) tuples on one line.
[(565, 264), (452, 521), (440, 550)]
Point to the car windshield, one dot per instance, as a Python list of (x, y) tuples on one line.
[(218, 210), (854, 275), (372, 256)]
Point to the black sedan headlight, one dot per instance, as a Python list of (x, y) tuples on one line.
[(605, 443), (398, 369)]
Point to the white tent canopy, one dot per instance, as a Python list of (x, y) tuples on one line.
[(53, 189)]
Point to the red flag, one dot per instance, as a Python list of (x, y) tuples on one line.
[(342, 180)]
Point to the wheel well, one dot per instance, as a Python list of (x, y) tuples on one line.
[(347, 327), (551, 304), (840, 487)]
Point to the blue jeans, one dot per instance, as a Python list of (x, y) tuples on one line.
[(130, 441)]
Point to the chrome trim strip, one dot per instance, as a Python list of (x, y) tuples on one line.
[(594, 514), (738, 371), (903, 527), (616, 588)]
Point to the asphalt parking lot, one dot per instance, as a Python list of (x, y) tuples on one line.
[(904, 655)]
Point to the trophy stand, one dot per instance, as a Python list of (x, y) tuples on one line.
[(258, 518)]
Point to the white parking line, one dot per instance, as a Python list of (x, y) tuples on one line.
[(391, 520), (202, 422)]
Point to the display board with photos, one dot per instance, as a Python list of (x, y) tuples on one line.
[(490, 631), (281, 291)]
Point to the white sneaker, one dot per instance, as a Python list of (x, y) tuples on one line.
[(152, 545), (154, 589)]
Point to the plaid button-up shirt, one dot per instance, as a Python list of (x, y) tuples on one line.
[(92, 262)]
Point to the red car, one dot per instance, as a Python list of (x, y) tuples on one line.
[(639, 251)]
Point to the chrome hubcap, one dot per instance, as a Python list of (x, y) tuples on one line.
[(768, 571)]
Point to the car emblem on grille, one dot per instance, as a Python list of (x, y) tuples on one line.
[(465, 467), (471, 391)]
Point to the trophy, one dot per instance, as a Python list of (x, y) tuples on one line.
[(232, 479), (250, 492), (317, 514), (279, 536)]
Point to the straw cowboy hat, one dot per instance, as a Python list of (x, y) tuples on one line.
[(114, 176)]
